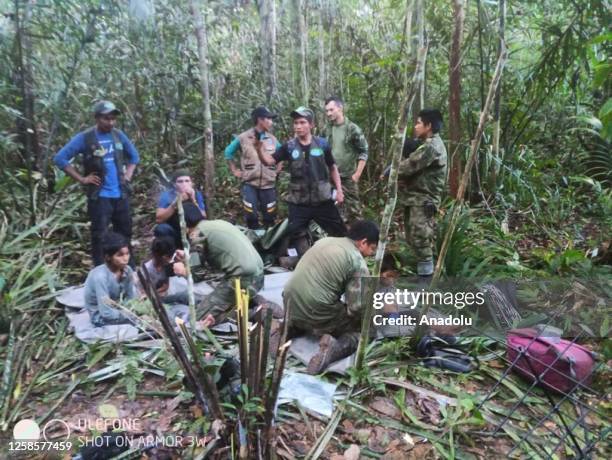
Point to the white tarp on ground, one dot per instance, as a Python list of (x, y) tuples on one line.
[(308, 391), (74, 299)]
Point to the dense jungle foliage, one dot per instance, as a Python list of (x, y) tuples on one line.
[(540, 199)]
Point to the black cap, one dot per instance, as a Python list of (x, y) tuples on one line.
[(262, 112), (180, 173)]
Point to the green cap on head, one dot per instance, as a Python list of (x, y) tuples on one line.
[(105, 108), (303, 112)]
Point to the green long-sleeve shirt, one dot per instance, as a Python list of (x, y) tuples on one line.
[(332, 267), (226, 249)]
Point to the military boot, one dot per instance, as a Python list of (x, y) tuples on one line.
[(425, 269), (331, 350), (257, 300)]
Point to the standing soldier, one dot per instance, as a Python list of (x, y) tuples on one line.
[(311, 166), (421, 180), (258, 180), (109, 160), (350, 150)]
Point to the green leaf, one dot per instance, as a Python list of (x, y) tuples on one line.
[(108, 411)]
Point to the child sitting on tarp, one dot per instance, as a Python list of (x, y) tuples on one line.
[(110, 283), (160, 267)]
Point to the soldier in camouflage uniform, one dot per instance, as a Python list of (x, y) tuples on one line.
[(311, 166), (350, 150), (421, 181), (225, 249), (331, 268)]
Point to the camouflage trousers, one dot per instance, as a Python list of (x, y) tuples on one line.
[(222, 300), (420, 232), (351, 208), (343, 324)]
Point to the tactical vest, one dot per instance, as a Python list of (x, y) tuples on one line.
[(309, 174), (93, 161), (254, 172)]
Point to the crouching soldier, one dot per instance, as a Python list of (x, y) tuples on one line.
[(226, 249), (331, 268)]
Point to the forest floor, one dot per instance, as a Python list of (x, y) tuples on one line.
[(400, 410)]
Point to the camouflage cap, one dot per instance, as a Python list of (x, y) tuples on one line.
[(303, 112), (104, 108)]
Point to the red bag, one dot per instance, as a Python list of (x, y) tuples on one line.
[(559, 363)]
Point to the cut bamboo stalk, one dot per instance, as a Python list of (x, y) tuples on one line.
[(189, 276), (242, 339), (253, 361), (273, 389), (263, 351), (179, 352), (212, 396), (396, 148)]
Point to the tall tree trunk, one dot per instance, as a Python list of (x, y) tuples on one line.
[(267, 32), (497, 101), (26, 126), (475, 145), (300, 12), (408, 98), (454, 97), (406, 45), (202, 40), (481, 54), (419, 42), (321, 32)]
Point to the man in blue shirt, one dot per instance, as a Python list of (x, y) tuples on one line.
[(109, 161), (166, 216)]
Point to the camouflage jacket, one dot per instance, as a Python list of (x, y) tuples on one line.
[(422, 176)]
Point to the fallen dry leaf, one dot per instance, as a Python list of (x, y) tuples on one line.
[(430, 409), (362, 435), (348, 426), (352, 453), (386, 407)]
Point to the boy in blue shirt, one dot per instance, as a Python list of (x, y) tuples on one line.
[(109, 160), (166, 215)]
